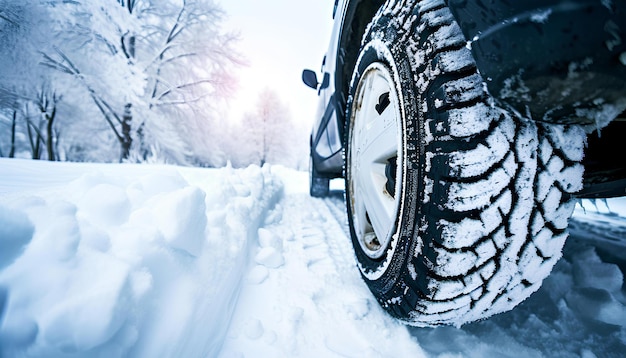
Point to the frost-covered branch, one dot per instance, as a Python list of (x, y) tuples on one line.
[(182, 101), (186, 85), (68, 67), (175, 30), (65, 66), (178, 57), (8, 19)]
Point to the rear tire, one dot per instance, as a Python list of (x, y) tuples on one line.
[(477, 200), (319, 186)]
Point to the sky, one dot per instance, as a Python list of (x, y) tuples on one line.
[(278, 38)]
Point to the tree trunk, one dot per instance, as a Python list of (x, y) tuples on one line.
[(35, 145), (140, 142), (13, 127), (50, 134), (126, 140), (264, 133), (128, 46)]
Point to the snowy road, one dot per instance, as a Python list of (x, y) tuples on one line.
[(303, 296), (579, 312), (155, 261)]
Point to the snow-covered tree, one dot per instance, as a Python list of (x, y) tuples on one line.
[(43, 42), (189, 62), (269, 135), (27, 99), (92, 48), (154, 71)]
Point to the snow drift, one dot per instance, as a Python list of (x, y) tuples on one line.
[(121, 260)]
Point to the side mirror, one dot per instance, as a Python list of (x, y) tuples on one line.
[(310, 78)]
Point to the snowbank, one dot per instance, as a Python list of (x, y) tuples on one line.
[(111, 260)]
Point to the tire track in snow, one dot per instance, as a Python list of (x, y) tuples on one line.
[(314, 303), (339, 244), (337, 205)]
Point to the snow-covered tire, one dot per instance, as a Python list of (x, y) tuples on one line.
[(475, 201), (319, 186)]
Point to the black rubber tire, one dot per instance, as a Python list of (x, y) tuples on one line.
[(485, 195), (319, 186)]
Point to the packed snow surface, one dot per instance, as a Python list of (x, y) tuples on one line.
[(160, 261)]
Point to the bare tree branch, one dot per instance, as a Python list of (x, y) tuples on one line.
[(195, 83), (7, 18), (182, 101), (56, 65), (107, 115), (178, 57), (68, 67)]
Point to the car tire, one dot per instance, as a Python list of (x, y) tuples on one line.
[(457, 208)]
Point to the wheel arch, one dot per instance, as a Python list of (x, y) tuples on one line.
[(358, 15), (605, 175)]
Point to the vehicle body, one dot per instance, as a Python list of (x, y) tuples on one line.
[(541, 73)]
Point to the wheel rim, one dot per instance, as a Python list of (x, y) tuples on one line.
[(374, 160)]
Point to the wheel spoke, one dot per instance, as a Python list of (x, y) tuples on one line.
[(383, 139), (377, 202)]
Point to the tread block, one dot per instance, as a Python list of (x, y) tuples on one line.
[(447, 36), (472, 120), (452, 264), (446, 290), (462, 90), (481, 159), (531, 261), (453, 61), (480, 194)]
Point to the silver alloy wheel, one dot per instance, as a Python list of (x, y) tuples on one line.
[(374, 160)]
